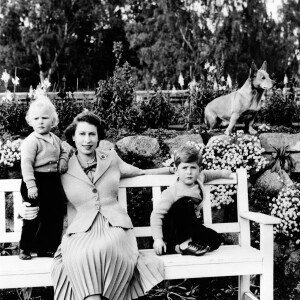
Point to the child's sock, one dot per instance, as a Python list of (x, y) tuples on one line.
[(184, 244)]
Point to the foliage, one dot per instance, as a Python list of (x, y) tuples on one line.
[(67, 110), (74, 39), (167, 39), (286, 206), (278, 109), (57, 38), (10, 153), (115, 95), (282, 160), (12, 115), (198, 289), (157, 110), (180, 37)]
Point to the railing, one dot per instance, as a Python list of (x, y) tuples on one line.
[(177, 96), (78, 96)]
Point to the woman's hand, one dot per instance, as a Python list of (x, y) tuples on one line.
[(27, 212), (159, 246)]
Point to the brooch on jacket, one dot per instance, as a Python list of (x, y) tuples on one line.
[(103, 156)]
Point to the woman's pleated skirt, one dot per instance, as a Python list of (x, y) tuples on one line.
[(103, 261)]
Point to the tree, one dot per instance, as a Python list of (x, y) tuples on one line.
[(56, 38), (167, 39)]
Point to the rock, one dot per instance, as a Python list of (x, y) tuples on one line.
[(179, 140), (106, 145), (268, 140), (139, 145), (296, 158), (273, 182)]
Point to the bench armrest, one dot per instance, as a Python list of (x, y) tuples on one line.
[(260, 218)]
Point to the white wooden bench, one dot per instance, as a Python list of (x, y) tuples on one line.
[(240, 260)]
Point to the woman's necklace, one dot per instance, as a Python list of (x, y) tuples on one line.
[(87, 164), (92, 161)]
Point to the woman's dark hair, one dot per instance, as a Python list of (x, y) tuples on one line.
[(187, 154), (87, 117)]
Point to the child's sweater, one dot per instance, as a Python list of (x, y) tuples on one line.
[(38, 154), (177, 191)]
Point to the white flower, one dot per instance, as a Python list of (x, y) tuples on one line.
[(181, 80), (8, 96), (229, 81), (15, 81), (212, 68), (5, 76), (206, 66), (153, 81)]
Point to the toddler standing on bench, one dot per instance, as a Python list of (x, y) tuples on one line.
[(176, 222), (42, 161)]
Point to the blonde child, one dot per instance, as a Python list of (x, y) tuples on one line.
[(42, 161), (175, 221)]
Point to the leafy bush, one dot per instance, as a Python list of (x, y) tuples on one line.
[(67, 110), (116, 94), (12, 115), (279, 109), (157, 110)]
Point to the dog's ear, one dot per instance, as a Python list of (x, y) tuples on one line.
[(253, 69), (264, 66)]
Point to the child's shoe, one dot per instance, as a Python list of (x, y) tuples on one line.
[(24, 255), (194, 249), (45, 254)]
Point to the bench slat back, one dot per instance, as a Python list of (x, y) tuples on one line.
[(155, 182)]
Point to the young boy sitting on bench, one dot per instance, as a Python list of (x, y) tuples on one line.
[(176, 222)]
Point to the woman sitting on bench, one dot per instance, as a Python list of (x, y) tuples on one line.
[(98, 257)]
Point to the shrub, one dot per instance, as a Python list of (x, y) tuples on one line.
[(157, 110), (12, 115), (67, 110), (279, 109), (116, 94)]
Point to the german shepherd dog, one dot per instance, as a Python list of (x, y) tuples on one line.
[(241, 105)]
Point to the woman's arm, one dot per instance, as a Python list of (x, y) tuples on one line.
[(157, 171), (208, 175), (128, 170)]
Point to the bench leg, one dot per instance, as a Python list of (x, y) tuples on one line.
[(244, 285), (266, 248)]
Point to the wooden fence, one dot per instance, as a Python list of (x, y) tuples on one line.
[(175, 96), (178, 96)]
